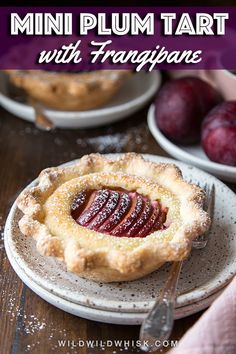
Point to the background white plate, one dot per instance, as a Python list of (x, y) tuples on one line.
[(192, 154), (135, 92), (204, 273), (115, 317)]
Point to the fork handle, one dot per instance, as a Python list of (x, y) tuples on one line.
[(158, 324), (41, 120)]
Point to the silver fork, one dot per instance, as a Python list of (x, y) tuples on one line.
[(158, 324)]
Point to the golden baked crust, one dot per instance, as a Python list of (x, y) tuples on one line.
[(70, 91), (99, 256)]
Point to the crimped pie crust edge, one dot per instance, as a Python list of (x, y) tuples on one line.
[(110, 263)]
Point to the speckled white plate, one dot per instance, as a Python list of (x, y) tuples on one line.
[(192, 154), (135, 92), (90, 313), (204, 273)]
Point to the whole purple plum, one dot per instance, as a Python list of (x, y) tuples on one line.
[(181, 105), (219, 133)]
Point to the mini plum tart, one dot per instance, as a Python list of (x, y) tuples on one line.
[(67, 91), (113, 220)]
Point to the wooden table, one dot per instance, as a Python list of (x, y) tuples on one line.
[(28, 323)]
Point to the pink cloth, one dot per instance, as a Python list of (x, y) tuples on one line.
[(215, 331)]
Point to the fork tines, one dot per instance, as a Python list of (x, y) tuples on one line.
[(208, 206)]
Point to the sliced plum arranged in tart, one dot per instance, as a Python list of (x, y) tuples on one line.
[(118, 213), (113, 220)]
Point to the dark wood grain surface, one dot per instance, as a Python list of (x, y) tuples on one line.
[(28, 323)]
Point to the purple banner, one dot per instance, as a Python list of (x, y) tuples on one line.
[(79, 38)]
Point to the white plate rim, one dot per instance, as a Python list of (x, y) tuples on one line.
[(90, 313), (169, 146)]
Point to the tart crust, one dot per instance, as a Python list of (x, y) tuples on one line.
[(99, 256), (70, 91)]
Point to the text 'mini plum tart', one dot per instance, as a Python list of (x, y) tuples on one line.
[(113, 220)]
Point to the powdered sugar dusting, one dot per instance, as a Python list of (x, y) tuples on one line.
[(100, 199), (116, 217), (56, 337), (1, 234), (116, 142), (106, 211)]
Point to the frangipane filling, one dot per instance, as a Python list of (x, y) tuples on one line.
[(118, 212)]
